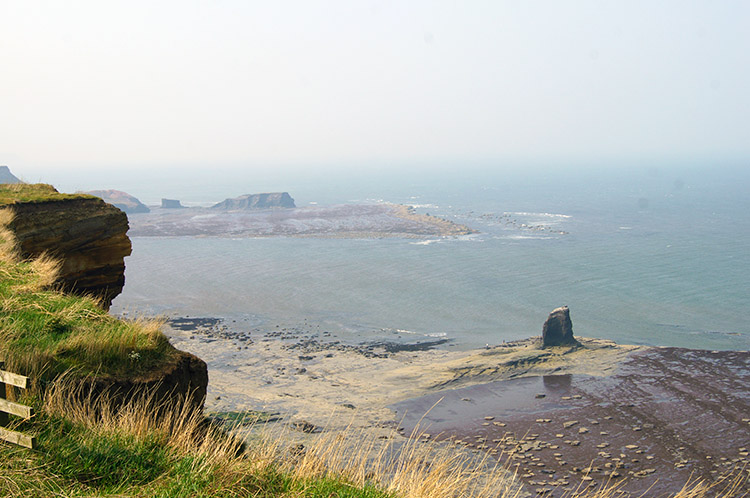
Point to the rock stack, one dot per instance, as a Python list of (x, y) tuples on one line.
[(171, 204), (558, 329)]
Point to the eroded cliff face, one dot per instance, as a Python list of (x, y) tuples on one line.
[(85, 233)]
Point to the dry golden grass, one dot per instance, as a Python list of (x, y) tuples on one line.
[(8, 245)]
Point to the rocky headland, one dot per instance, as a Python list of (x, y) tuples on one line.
[(121, 200), (87, 235), (6, 176), (256, 201)]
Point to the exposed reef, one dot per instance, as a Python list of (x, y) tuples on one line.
[(121, 200), (341, 221), (86, 234), (257, 201)]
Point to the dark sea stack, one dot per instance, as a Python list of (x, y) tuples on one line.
[(121, 200), (558, 329), (257, 201), (7, 177), (171, 204)]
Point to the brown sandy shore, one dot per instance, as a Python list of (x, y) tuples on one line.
[(648, 418)]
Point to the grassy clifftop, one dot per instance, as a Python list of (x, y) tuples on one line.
[(45, 332), (12, 193)]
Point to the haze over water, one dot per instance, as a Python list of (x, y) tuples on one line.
[(650, 256)]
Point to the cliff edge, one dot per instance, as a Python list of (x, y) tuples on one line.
[(86, 234)]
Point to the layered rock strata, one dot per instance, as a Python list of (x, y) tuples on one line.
[(85, 233)]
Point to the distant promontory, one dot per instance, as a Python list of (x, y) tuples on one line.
[(7, 177), (257, 201), (121, 200)]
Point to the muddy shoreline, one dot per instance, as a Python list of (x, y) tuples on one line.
[(648, 418)]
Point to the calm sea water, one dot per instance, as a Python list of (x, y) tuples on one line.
[(658, 257)]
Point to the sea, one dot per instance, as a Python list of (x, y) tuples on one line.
[(641, 254)]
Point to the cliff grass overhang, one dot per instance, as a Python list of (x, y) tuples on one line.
[(21, 193)]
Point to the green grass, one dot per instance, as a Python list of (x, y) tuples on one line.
[(44, 332), (118, 455), (11, 193)]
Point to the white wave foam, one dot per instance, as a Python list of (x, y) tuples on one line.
[(425, 242), (411, 332), (523, 237), (544, 215)]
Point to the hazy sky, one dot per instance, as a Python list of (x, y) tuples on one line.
[(171, 83)]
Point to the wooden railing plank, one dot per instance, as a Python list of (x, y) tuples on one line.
[(15, 409), (17, 438), (13, 379)]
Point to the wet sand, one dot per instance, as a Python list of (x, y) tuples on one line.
[(649, 417)]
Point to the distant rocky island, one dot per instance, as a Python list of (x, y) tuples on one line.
[(257, 201)]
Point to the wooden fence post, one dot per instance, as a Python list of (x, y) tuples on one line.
[(7, 380)]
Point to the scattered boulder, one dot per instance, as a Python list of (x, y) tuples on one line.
[(121, 200), (171, 204), (7, 177), (257, 201), (558, 329)]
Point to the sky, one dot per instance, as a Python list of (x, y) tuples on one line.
[(371, 84)]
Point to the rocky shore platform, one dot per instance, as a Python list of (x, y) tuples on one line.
[(668, 415), (647, 419), (340, 221)]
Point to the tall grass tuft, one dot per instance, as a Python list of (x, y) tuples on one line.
[(44, 332)]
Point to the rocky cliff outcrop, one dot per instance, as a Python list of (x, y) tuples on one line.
[(558, 329), (257, 201), (85, 233), (121, 200), (6, 176)]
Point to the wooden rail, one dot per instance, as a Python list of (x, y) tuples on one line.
[(9, 380)]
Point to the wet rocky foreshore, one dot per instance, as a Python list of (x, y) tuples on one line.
[(668, 415), (565, 418)]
